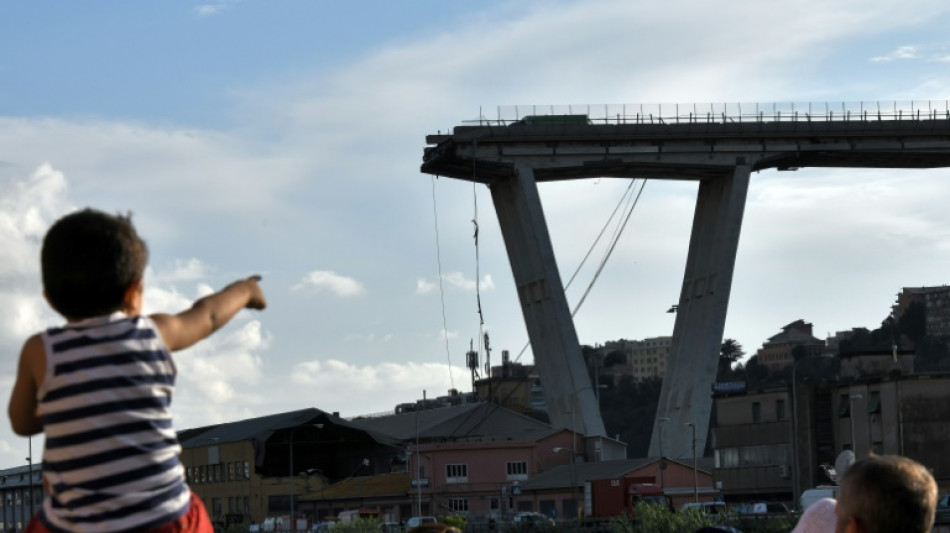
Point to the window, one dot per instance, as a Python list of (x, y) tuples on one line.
[(458, 504), (457, 473), (247, 470), (874, 404), (844, 405), (517, 470), (780, 409), (756, 412), (230, 471)]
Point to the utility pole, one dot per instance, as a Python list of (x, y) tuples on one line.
[(662, 463), (695, 470)]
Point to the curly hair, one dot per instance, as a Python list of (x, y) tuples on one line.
[(89, 260)]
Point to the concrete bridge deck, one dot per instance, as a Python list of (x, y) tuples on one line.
[(719, 147)]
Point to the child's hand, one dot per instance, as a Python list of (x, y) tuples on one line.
[(256, 300)]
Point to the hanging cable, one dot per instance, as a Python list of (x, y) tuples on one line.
[(624, 199), (478, 281), (438, 257), (610, 250)]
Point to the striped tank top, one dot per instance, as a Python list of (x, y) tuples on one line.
[(111, 456)]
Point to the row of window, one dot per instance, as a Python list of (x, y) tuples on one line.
[(780, 413), (458, 472), (235, 505), (217, 473), (759, 455)]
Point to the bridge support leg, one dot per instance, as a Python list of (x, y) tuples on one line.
[(686, 396), (567, 391)]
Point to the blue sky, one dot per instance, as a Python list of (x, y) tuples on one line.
[(284, 138)]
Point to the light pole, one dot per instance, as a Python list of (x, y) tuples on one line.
[(573, 477), (29, 462), (796, 477), (292, 489), (661, 420), (695, 471)]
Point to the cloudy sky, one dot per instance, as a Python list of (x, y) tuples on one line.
[(285, 138)]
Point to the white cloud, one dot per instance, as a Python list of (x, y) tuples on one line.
[(28, 206), (369, 338), (228, 357), (455, 280), (213, 8), (183, 270), (901, 52), (424, 286), (353, 390), (325, 280)]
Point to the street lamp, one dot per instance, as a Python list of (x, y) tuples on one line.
[(573, 479), (292, 491), (661, 420), (695, 472), (29, 462), (796, 476)]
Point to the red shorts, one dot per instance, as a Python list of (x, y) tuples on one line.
[(194, 521)]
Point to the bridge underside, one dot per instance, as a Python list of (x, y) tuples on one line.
[(513, 158)]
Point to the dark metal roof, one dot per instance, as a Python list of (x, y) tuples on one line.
[(468, 422), (261, 428), (18, 476)]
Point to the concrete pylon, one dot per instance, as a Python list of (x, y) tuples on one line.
[(557, 351), (686, 397)]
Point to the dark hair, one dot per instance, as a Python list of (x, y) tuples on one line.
[(889, 493), (89, 260)]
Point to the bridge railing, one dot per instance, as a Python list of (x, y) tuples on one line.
[(726, 112)]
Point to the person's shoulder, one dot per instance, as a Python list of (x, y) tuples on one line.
[(34, 344)]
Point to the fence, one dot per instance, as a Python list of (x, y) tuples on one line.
[(726, 112)]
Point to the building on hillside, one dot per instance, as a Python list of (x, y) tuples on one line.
[(936, 301), (647, 358), (642, 359), (770, 444), (514, 386), (777, 352)]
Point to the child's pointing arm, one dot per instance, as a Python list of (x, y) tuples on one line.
[(181, 330)]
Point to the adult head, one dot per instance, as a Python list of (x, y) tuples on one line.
[(886, 493), (89, 261)]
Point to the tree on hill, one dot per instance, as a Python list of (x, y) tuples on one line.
[(629, 410), (730, 352)]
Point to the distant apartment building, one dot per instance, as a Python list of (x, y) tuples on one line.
[(642, 359), (936, 301), (777, 352), (512, 385), (648, 357), (773, 442)]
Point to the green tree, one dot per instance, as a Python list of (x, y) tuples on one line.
[(629, 410), (615, 357), (730, 352)]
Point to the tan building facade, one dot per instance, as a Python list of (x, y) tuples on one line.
[(771, 444)]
